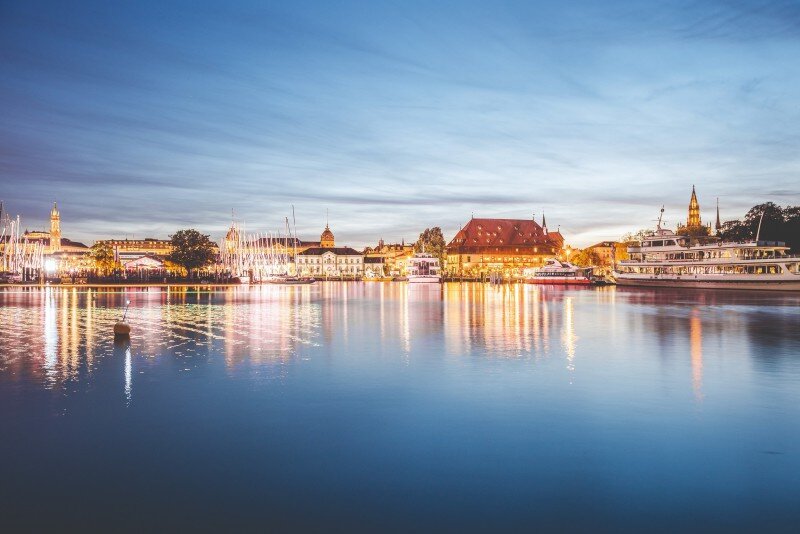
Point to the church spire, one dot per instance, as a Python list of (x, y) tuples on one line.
[(693, 221), (544, 224), (55, 229), (718, 225)]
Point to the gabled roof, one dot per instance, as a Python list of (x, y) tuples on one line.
[(339, 251), (504, 233), (70, 243)]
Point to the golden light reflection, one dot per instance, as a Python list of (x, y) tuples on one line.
[(568, 337), (696, 351), (50, 337), (509, 321)]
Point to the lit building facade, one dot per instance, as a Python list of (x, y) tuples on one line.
[(394, 256), (61, 255), (329, 260), (507, 246), (126, 250), (605, 251)]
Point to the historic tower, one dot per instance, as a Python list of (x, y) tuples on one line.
[(326, 239), (55, 229), (694, 212)]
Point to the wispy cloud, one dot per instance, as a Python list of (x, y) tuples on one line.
[(146, 117)]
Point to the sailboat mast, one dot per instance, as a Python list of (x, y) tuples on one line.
[(294, 241)]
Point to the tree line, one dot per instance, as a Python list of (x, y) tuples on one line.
[(778, 224)]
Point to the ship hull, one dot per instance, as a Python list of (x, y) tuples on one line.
[(718, 283), (560, 281), (424, 279)]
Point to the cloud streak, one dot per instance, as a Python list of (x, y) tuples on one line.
[(146, 117)]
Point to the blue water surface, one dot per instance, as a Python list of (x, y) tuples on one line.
[(384, 406)]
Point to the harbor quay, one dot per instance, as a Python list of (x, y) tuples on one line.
[(494, 250)]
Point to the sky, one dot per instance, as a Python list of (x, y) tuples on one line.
[(386, 117)]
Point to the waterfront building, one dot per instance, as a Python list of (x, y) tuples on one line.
[(605, 251), (126, 250), (144, 264), (374, 267), (395, 256), (53, 243), (329, 260), (61, 255), (504, 246)]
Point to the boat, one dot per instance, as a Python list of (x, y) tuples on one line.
[(289, 280), (666, 259), (561, 272), (423, 268)]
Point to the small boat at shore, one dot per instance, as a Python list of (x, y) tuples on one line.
[(561, 273)]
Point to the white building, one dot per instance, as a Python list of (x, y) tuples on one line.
[(330, 260)]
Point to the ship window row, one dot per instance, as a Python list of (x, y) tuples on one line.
[(713, 269)]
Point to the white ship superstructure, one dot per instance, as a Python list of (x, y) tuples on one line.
[(667, 259), (423, 268)]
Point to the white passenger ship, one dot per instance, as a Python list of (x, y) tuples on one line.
[(423, 268), (666, 259)]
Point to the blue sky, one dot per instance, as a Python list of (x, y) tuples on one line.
[(141, 118)]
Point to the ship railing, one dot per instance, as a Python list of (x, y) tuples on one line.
[(788, 257)]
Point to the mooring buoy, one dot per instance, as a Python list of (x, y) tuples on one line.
[(121, 328)]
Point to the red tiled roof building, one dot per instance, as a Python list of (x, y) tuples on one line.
[(501, 245)]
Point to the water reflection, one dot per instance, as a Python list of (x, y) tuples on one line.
[(568, 337), (58, 335), (696, 335), (385, 398)]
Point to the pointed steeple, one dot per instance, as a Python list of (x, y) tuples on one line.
[(718, 225), (544, 224), (693, 221)]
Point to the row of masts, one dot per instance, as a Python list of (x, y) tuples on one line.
[(19, 255), (260, 256)]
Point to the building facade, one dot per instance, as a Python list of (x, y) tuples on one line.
[(504, 246), (126, 250), (330, 260), (61, 255), (394, 256)]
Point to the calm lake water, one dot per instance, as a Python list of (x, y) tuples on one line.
[(370, 406)]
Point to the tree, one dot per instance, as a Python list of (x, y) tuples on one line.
[(586, 258), (778, 224), (103, 257), (432, 242), (791, 230), (191, 249), (634, 237), (694, 231), (771, 224)]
